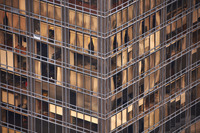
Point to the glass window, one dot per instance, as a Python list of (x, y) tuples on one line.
[(59, 92), (112, 122), (80, 100), (113, 21), (80, 40), (8, 19), (8, 2), (58, 13), (59, 75), (38, 89), (4, 96), (43, 29), (1, 1), (2, 14), (94, 23), (58, 34), (9, 40), (16, 21), (11, 98), (94, 104), (147, 5), (79, 19), (50, 11), (119, 18), (2, 37), (72, 17), (22, 6), (51, 52), (58, 54), (130, 12), (51, 32), (153, 2), (87, 43), (3, 59), (141, 6), (146, 43), (10, 60), (43, 8), (72, 38), (125, 15), (36, 7), (119, 119), (23, 23), (37, 68), (20, 62), (52, 91), (87, 100), (36, 26), (86, 23)]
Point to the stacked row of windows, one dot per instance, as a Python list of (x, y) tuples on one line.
[(83, 21), (81, 41), (19, 121), (15, 99), (175, 7), (150, 62), (8, 130), (147, 82), (144, 5), (48, 32), (14, 119), (12, 20), (87, 4), (78, 97), (171, 89), (42, 126), (125, 36), (147, 24), (86, 121), (194, 128), (17, 4), (127, 75), (13, 80), (78, 41), (79, 20), (129, 13), (128, 54), (47, 110), (150, 121), (176, 27), (177, 121), (181, 117), (48, 10)]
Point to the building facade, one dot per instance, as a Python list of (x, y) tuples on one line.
[(128, 66)]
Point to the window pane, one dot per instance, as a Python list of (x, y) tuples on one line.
[(23, 23), (58, 13), (50, 11), (36, 7), (16, 21), (86, 23), (43, 29), (72, 17), (58, 34), (2, 14), (22, 5), (79, 20), (43, 8)]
